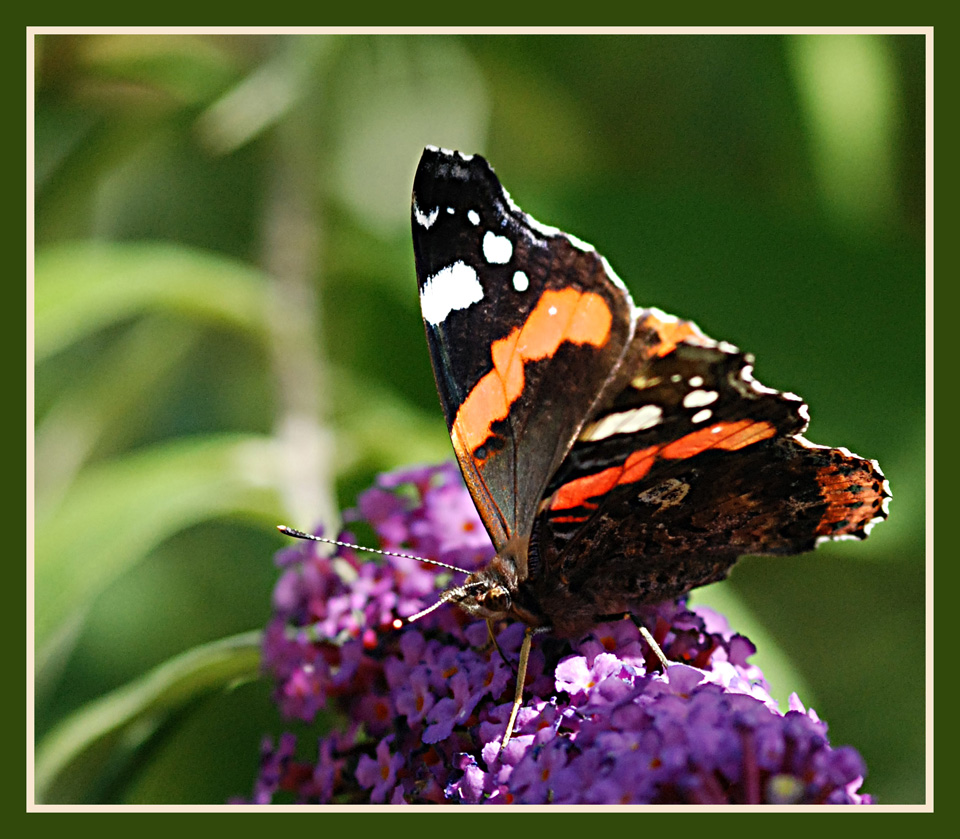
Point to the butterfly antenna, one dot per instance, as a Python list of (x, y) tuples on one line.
[(446, 597), (423, 612), (299, 534)]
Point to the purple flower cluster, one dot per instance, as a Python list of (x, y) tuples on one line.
[(419, 712)]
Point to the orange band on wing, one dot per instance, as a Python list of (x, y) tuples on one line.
[(670, 333), (560, 316), (577, 492), (729, 436)]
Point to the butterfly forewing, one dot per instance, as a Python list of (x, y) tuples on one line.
[(524, 325)]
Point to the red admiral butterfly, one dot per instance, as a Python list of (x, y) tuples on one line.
[(616, 455)]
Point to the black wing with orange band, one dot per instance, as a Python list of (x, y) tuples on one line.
[(690, 466), (524, 326)]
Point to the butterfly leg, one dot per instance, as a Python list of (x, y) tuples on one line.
[(653, 644), (496, 646), (518, 694), (521, 678), (643, 631)]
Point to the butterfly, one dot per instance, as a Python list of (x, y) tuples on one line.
[(616, 455)]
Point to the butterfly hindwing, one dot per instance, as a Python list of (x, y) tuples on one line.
[(690, 466)]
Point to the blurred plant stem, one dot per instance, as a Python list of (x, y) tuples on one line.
[(292, 245)]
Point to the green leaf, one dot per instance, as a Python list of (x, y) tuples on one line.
[(114, 514), (98, 740), (97, 412), (82, 287)]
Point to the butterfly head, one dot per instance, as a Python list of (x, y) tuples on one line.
[(485, 594), (497, 592)]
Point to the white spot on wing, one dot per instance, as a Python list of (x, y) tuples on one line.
[(624, 422), (449, 152), (521, 282), (425, 220), (497, 249), (474, 217), (699, 398), (642, 382), (702, 416), (746, 374), (455, 287), (695, 381), (841, 537)]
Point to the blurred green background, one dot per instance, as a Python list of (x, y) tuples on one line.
[(227, 336)]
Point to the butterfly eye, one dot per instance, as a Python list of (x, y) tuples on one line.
[(496, 599)]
